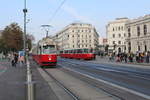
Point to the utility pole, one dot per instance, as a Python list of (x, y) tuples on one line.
[(24, 34)]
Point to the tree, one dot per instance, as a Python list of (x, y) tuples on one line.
[(12, 37), (30, 38)]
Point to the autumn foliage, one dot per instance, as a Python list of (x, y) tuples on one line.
[(12, 38)]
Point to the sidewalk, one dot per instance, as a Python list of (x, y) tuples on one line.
[(105, 60), (12, 81)]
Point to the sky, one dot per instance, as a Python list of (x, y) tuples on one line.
[(42, 12)]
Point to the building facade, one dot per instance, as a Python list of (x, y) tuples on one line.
[(138, 34), (102, 44), (77, 35), (116, 35)]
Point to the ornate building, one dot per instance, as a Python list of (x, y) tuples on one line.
[(116, 35), (77, 35), (138, 34)]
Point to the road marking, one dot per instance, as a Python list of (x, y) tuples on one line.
[(112, 84)]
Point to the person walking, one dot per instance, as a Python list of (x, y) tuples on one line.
[(147, 57), (14, 59)]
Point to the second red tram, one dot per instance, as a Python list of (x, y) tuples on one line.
[(45, 53), (86, 54)]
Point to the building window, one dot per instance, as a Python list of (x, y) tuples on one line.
[(68, 35), (113, 35), (129, 32), (119, 35), (72, 35), (113, 29), (119, 42), (72, 30), (145, 29), (139, 48), (129, 48), (145, 48), (122, 28), (138, 30), (113, 42), (89, 31), (119, 28), (82, 31), (124, 35)]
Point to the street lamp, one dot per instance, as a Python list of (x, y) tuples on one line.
[(24, 34)]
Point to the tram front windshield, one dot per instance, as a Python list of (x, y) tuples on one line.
[(49, 49)]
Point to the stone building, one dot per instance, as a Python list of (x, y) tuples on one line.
[(138, 34), (102, 44), (77, 35), (116, 35)]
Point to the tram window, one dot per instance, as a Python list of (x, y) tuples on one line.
[(47, 49), (65, 51), (91, 50), (70, 51), (78, 51), (85, 50), (75, 51)]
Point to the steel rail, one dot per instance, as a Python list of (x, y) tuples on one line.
[(94, 86), (61, 85)]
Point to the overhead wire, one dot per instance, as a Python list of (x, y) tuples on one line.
[(54, 14)]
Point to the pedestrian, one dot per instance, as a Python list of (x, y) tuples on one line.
[(125, 57), (21, 60), (147, 57), (14, 59)]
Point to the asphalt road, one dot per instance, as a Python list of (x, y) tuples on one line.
[(134, 80)]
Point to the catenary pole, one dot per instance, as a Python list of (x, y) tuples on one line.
[(24, 34)]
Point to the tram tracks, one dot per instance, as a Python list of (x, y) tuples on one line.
[(131, 92), (78, 89), (92, 82), (61, 85)]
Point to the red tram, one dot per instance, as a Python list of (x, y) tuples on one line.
[(86, 54), (45, 53)]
